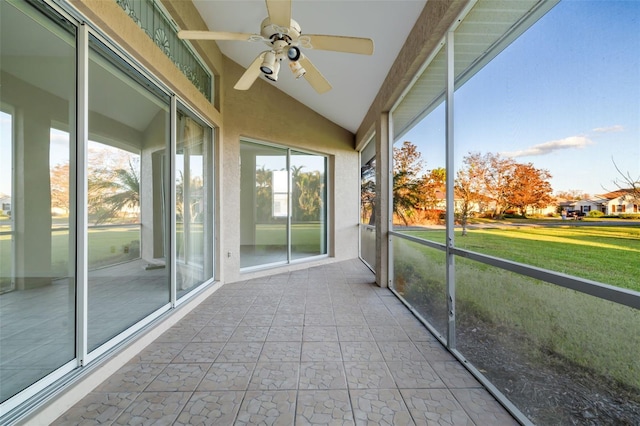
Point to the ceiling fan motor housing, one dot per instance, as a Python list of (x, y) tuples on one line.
[(272, 32)]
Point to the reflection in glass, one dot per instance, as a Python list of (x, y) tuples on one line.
[(264, 204), (368, 204), (128, 277), (308, 200), (368, 184), (194, 240), (37, 277), (525, 335)]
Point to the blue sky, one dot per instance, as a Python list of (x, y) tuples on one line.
[(564, 96)]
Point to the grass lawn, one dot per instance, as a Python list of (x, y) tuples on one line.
[(607, 254), (106, 246), (530, 318), (307, 234)]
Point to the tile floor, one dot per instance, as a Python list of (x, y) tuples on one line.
[(318, 346)]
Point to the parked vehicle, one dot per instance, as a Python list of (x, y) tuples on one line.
[(575, 214)]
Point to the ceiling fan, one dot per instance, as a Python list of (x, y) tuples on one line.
[(284, 38)]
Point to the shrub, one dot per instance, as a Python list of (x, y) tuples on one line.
[(595, 213), (629, 216)]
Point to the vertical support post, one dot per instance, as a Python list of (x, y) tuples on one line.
[(450, 177), (384, 202), (289, 204), (170, 254), (82, 207)]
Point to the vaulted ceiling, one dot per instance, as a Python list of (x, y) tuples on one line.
[(356, 79)]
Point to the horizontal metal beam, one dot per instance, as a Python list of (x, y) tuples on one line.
[(622, 296)]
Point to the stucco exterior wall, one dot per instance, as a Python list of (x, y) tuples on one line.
[(262, 113), (266, 114)]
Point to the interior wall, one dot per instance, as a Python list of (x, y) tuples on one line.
[(264, 113)]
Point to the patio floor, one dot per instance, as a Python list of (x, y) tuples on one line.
[(322, 345)]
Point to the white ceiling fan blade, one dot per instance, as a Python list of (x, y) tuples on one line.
[(214, 35), (313, 76), (279, 12), (362, 46), (251, 74)]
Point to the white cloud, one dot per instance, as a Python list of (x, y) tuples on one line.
[(572, 142), (610, 129)]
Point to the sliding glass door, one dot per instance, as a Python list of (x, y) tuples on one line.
[(37, 189), (86, 219), (282, 205), (194, 206)]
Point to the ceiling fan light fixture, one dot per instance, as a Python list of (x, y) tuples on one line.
[(293, 53), (297, 69), (273, 76), (269, 64)]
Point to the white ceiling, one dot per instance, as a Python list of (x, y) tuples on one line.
[(356, 79)]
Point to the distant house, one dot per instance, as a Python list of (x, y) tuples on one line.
[(620, 202), (586, 206), (5, 204)]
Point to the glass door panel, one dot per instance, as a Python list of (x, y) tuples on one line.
[(37, 254), (308, 200), (194, 204), (264, 205), (128, 129)]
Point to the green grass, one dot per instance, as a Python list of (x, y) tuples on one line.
[(527, 316), (107, 246), (111, 245), (307, 234), (607, 254)]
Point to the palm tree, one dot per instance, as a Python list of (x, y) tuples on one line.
[(264, 197), (405, 195), (310, 187), (114, 192)]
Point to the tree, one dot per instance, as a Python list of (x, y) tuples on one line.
[(469, 187), (528, 187), (429, 186), (497, 173), (264, 196), (296, 172), (573, 194), (310, 187), (406, 167), (113, 192), (190, 206), (627, 183), (59, 177), (368, 192)]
